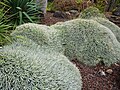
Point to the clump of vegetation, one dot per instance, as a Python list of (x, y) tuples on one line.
[(91, 12), (51, 7), (41, 34), (4, 29), (114, 28), (26, 65), (94, 14), (20, 11), (89, 41), (101, 5)]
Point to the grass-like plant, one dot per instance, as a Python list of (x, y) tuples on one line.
[(4, 29), (21, 11)]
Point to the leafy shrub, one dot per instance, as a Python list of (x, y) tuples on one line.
[(100, 4), (40, 34), (89, 42), (33, 68)]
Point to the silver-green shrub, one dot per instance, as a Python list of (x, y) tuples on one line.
[(91, 12), (94, 14), (89, 41), (27, 66), (114, 28), (41, 34)]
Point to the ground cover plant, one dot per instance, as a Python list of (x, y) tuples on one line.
[(94, 14), (89, 42), (29, 67)]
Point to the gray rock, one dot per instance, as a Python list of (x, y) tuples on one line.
[(59, 14)]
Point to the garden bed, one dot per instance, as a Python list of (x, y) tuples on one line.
[(98, 77)]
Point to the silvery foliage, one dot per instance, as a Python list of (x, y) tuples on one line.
[(27, 66), (94, 14), (114, 28), (41, 34), (89, 41)]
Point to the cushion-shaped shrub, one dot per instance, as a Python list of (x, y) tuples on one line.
[(114, 28), (41, 34), (89, 41), (91, 12), (94, 14), (33, 68)]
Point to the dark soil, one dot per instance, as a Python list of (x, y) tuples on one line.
[(50, 20), (92, 77), (93, 80)]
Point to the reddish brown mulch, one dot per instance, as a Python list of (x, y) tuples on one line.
[(91, 77), (50, 20), (93, 80)]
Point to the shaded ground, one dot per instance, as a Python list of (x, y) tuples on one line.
[(97, 77)]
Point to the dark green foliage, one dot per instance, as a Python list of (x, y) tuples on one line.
[(4, 29), (21, 11), (90, 13)]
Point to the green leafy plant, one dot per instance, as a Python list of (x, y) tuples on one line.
[(79, 1), (50, 6), (4, 29), (21, 11), (100, 5)]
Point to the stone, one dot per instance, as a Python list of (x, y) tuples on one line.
[(117, 11), (109, 71), (75, 13), (59, 14), (101, 73)]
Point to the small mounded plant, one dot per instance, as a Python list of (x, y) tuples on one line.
[(89, 41), (90, 13), (41, 34), (94, 14), (26, 65)]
